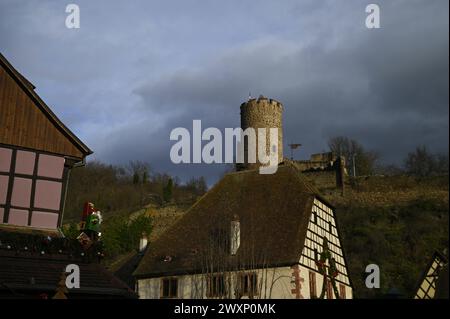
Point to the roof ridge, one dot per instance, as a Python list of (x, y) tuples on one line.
[(313, 189), (301, 178)]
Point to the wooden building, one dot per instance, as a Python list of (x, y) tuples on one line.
[(433, 283), (32, 262), (37, 152), (250, 236)]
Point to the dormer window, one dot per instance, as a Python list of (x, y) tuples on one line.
[(235, 234), (143, 242)]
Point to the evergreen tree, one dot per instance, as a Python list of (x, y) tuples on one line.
[(145, 177), (135, 178), (167, 191)]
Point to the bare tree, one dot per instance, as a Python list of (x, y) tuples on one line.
[(423, 163), (140, 169), (442, 164), (420, 162), (233, 276), (355, 154)]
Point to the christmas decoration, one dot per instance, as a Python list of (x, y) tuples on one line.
[(329, 271), (39, 245), (88, 209), (85, 241), (93, 222), (61, 289), (85, 248), (90, 221)]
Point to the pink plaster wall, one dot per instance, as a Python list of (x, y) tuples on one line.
[(25, 162), (18, 217), (48, 194), (50, 166), (5, 159), (3, 188), (21, 193), (44, 220)]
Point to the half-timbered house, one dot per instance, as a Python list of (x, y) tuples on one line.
[(434, 280), (250, 236), (37, 152)]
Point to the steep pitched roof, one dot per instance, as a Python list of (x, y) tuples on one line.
[(273, 210), (124, 268), (434, 279), (28, 88)]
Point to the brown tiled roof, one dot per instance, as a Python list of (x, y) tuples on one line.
[(32, 262), (26, 275), (124, 270), (273, 211)]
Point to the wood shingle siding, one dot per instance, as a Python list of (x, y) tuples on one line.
[(27, 122)]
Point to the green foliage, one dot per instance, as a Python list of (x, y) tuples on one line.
[(400, 239), (145, 177), (71, 230), (197, 185), (135, 178), (168, 191), (123, 189), (121, 235), (107, 186), (116, 192)]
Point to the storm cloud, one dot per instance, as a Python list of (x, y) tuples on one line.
[(134, 71)]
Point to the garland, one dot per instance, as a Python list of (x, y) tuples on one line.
[(42, 245), (329, 272)]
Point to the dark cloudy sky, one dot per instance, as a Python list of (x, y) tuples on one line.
[(137, 69)]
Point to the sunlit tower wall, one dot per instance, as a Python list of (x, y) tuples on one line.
[(261, 113)]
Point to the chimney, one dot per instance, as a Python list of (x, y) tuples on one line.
[(235, 235), (143, 242)]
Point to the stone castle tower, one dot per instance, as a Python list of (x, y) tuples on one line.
[(262, 113)]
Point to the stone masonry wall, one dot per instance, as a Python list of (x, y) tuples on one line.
[(262, 113)]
